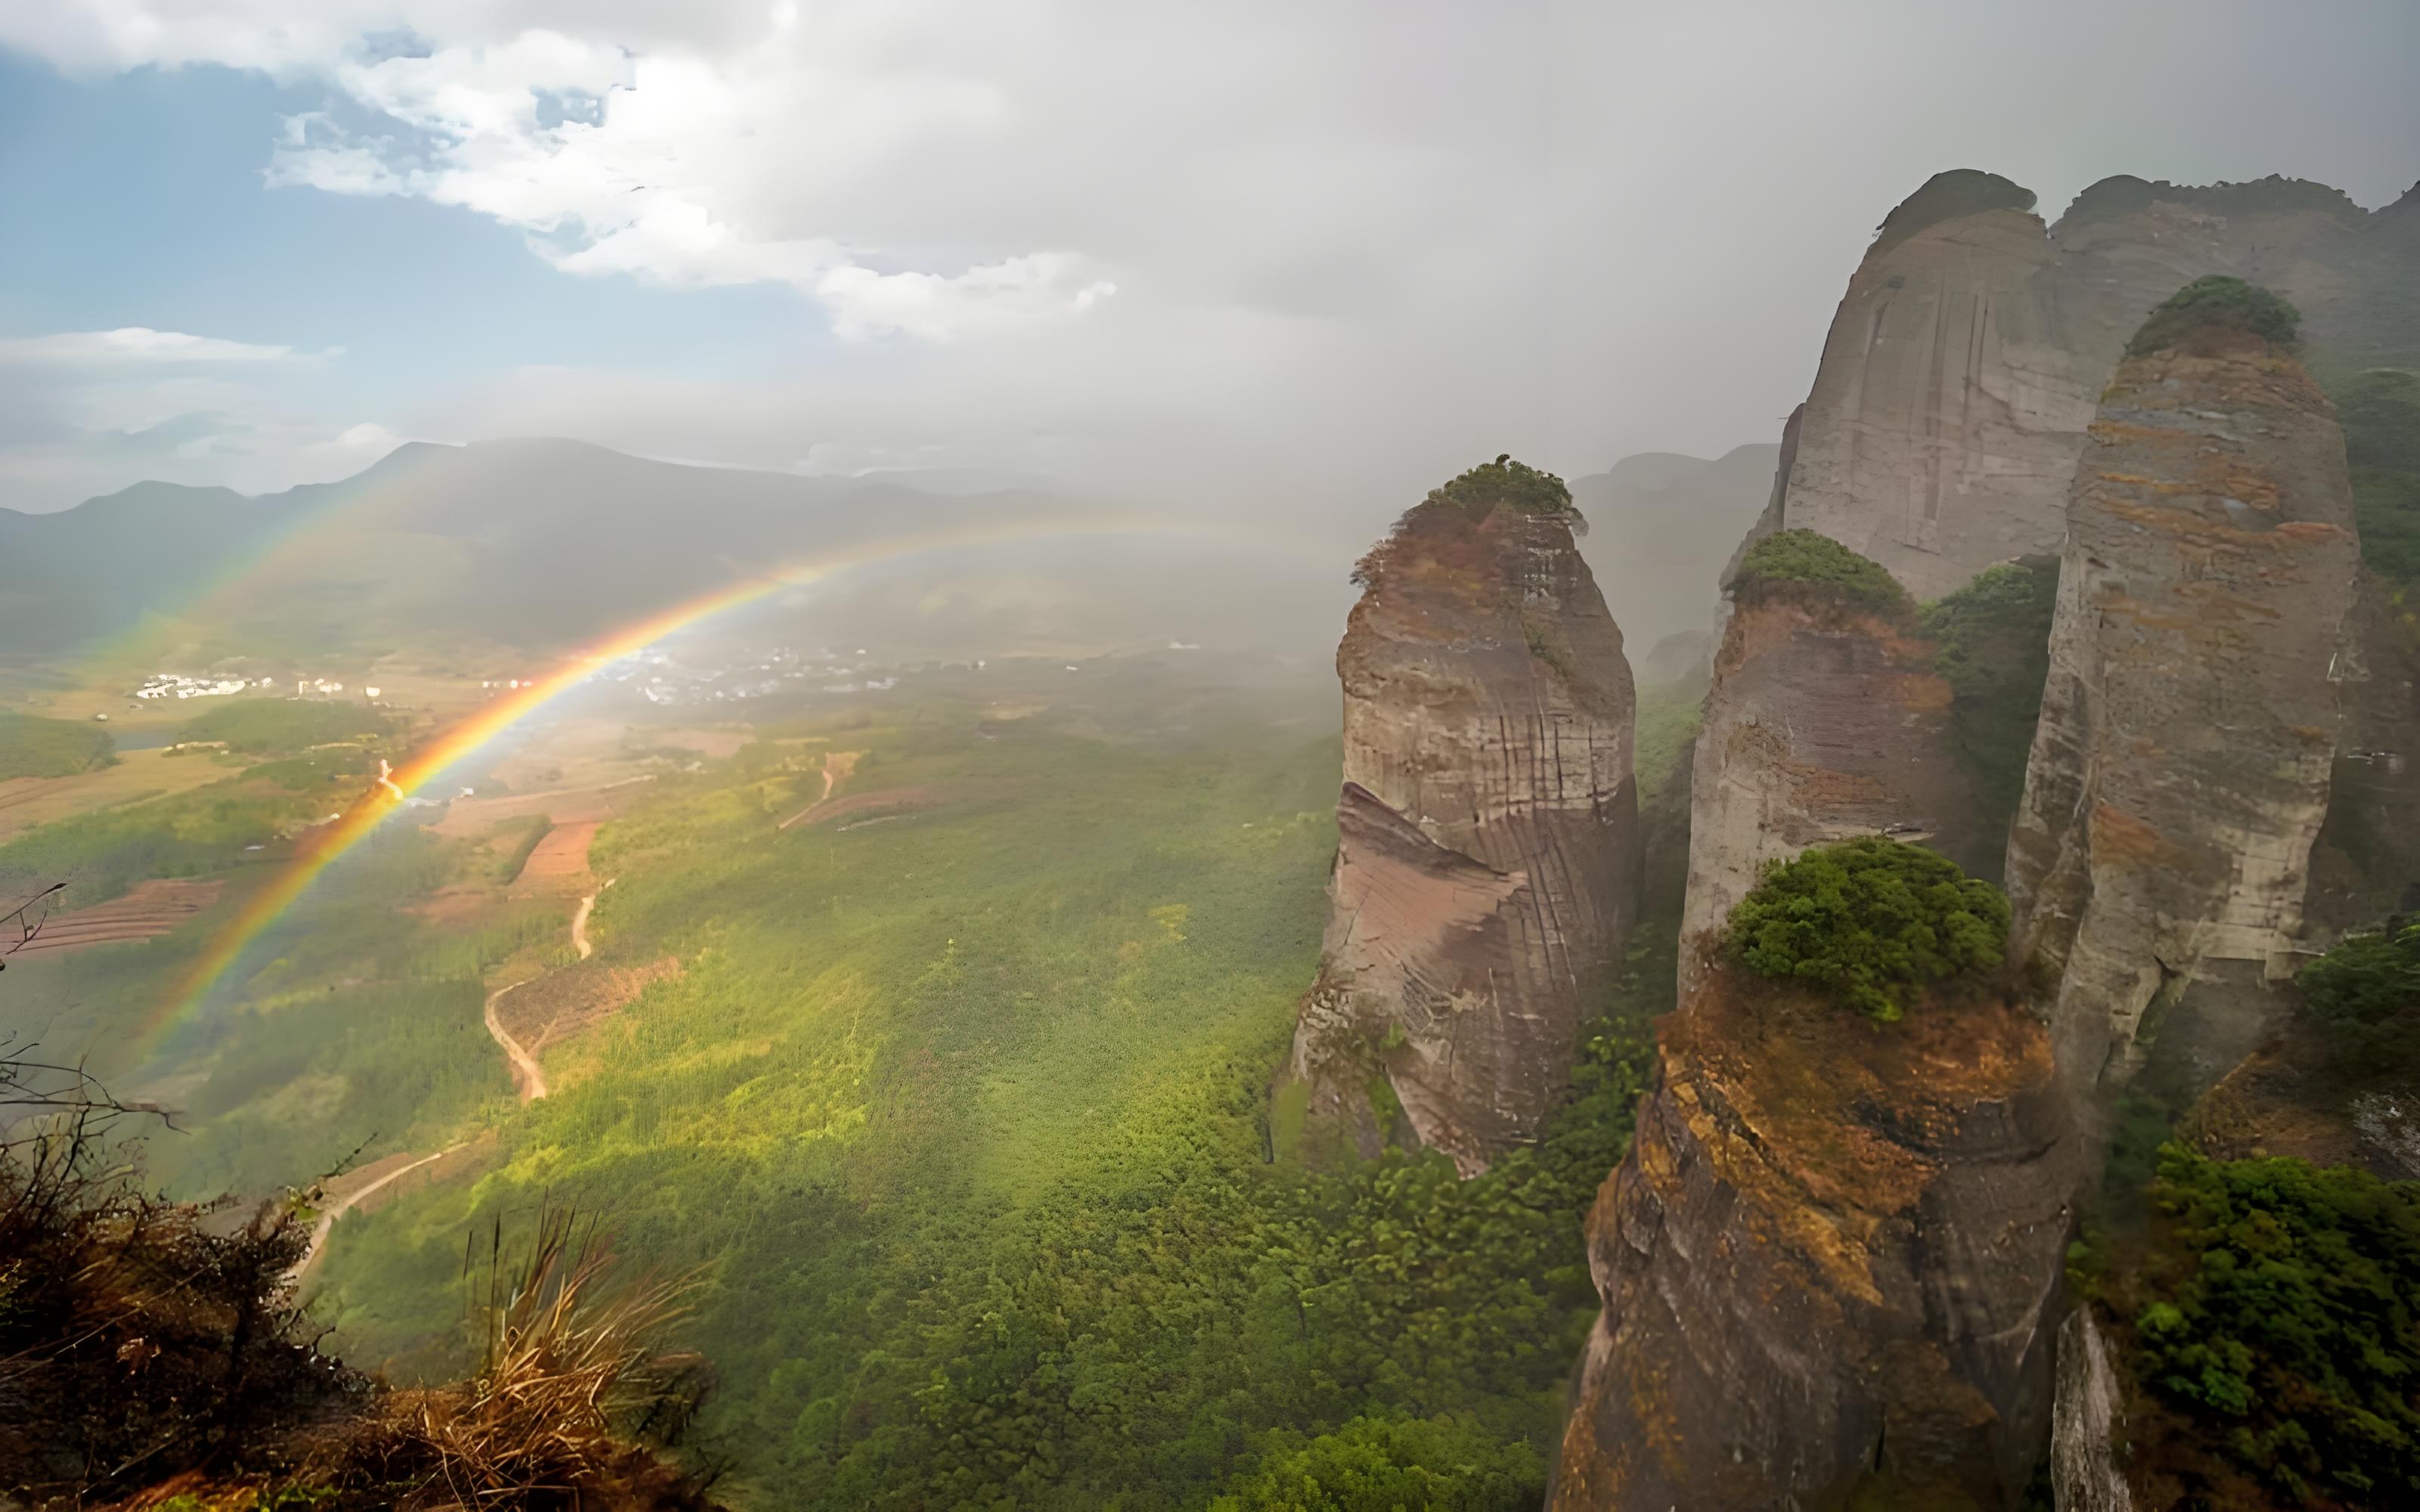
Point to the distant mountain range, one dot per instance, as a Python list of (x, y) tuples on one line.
[(537, 545), (540, 545)]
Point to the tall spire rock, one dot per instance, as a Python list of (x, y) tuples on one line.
[(2181, 770), (1943, 419), (1828, 1256), (1488, 859), (1963, 369)]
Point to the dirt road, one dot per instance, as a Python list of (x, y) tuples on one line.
[(336, 1209), (529, 1078)]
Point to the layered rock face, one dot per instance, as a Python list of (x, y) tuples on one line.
[(2180, 771), (1823, 724), (1963, 369), (1487, 865), (1829, 1262), (1944, 416)]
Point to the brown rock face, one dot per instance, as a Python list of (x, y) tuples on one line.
[(1487, 865), (1821, 725), (1962, 369), (1830, 1260), (2160, 859)]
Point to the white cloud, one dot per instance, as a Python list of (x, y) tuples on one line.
[(683, 166), (96, 410), (141, 346), (867, 303), (1261, 253), (369, 436)]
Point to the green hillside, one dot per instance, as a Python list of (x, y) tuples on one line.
[(34, 747)]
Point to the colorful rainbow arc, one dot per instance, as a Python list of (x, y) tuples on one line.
[(319, 850)]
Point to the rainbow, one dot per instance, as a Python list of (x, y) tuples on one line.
[(322, 848)]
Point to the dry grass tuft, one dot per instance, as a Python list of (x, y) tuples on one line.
[(576, 1382)]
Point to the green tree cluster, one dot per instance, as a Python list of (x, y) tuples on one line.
[(1992, 644), (1504, 484), (1811, 566), (2216, 302), (1389, 1464), (2381, 411), (2364, 997), (281, 726), (1446, 524), (1871, 923), (2280, 1311)]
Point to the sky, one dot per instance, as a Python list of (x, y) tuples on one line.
[(1260, 255)]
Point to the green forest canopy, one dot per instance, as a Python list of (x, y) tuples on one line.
[(1992, 644), (282, 726), (2279, 1309), (2381, 413), (969, 1114)]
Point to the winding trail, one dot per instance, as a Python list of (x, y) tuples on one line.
[(837, 765), (580, 922), (529, 1077), (529, 1081), (336, 1209)]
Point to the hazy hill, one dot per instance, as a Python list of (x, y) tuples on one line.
[(1660, 528), (544, 543)]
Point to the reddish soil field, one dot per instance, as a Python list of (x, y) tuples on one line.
[(152, 909), (564, 1003), (562, 855), (476, 816)]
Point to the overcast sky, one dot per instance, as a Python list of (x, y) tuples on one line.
[(1287, 256)]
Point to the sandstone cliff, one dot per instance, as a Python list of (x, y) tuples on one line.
[(1488, 855), (1829, 1263), (1825, 720), (1950, 411), (2181, 770)]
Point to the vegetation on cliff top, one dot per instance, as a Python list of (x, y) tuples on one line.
[(34, 747), (1992, 644), (1504, 484), (1445, 522), (2216, 302), (2124, 194), (1870, 923), (1809, 565), (2278, 1311), (1950, 196)]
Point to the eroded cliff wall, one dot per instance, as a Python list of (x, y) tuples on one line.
[(1823, 723), (2181, 770), (1963, 369), (1488, 858), (1828, 1264)]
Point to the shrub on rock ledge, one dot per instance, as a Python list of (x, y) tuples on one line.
[(1809, 564), (2216, 302), (1504, 484), (1870, 923)]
